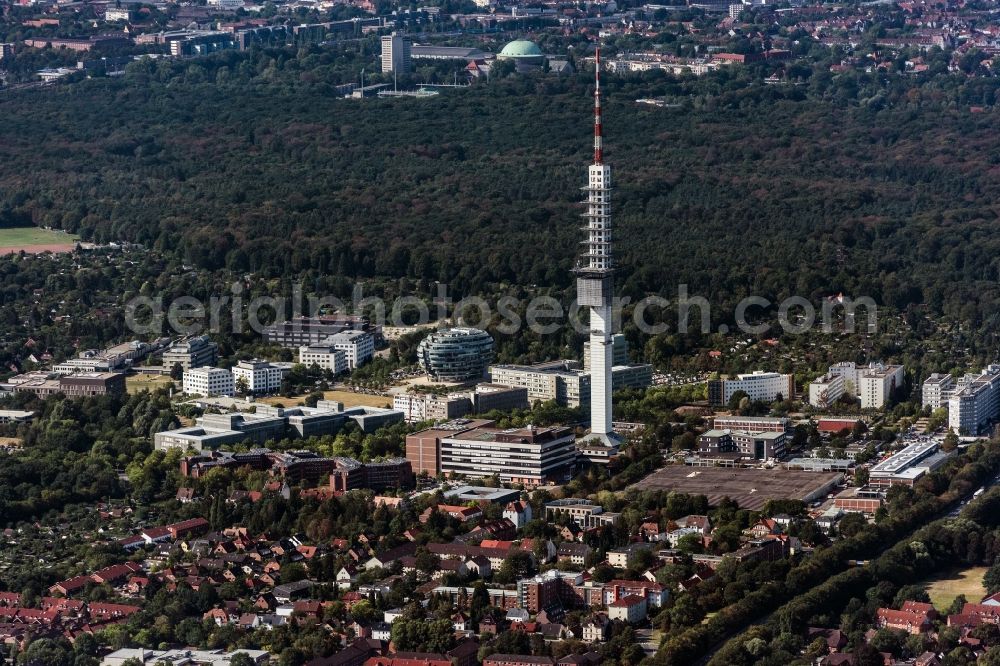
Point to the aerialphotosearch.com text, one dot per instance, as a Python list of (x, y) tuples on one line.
[(753, 315)]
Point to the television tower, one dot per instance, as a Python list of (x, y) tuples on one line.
[(594, 283)]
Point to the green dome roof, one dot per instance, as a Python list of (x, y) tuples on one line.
[(521, 48)]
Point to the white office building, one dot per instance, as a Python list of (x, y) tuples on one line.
[(325, 356), (396, 54), (208, 381), (430, 407), (876, 384), (759, 386), (358, 347), (190, 353), (260, 376), (826, 390), (937, 390), (530, 456), (341, 352), (558, 381), (112, 14)]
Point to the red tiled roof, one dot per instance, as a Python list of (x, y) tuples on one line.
[(625, 602)]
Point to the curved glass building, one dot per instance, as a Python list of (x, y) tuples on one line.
[(456, 354)]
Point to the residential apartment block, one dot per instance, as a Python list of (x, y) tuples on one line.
[(936, 390), (826, 390), (555, 589), (974, 403), (848, 370), (877, 383)]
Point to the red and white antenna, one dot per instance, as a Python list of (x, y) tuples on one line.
[(598, 149)]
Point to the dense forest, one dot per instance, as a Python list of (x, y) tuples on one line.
[(864, 184)]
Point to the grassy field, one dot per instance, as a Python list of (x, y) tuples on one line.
[(349, 398), (139, 383), (944, 588), (21, 236)]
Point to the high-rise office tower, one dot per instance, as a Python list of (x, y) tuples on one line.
[(395, 54)]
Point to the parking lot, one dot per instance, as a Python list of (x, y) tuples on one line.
[(751, 488)]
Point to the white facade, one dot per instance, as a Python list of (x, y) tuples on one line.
[(600, 376), (112, 14), (619, 351), (324, 356), (208, 381), (570, 388), (190, 353), (358, 347), (260, 376), (974, 406), (825, 390), (414, 407), (594, 278), (225, 4), (876, 384), (936, 390), (631, 609), (759, 386), (396, 53), (849, 371), (518, 513)]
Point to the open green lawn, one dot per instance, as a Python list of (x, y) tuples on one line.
[(943, 588), (139, 383), (19, 236)]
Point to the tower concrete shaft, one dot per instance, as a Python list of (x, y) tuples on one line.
[(595, 276)]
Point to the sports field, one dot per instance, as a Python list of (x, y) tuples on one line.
[(943, 588), (34, 240)]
